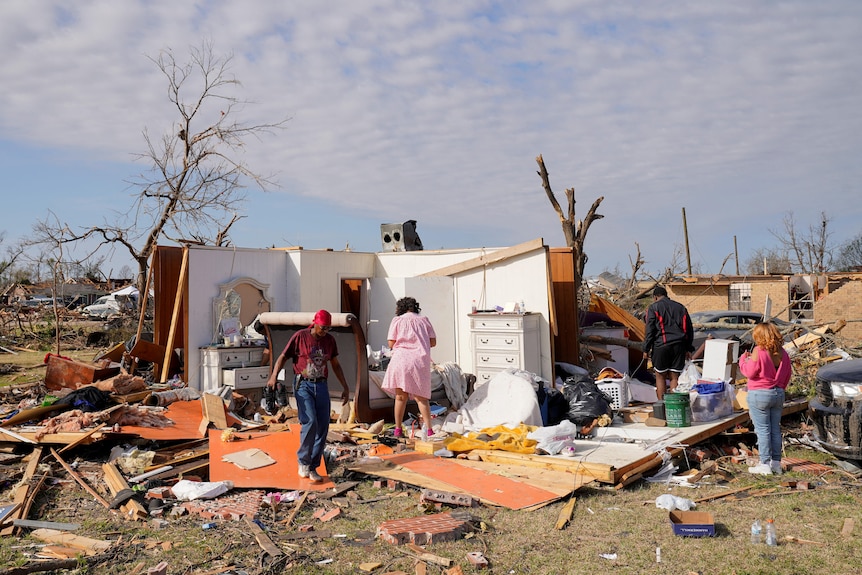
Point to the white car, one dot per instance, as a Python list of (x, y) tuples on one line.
[(103, 308)]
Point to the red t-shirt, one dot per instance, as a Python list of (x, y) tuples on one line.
[(310, 355)]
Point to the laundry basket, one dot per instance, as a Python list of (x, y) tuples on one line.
[(617, 390)]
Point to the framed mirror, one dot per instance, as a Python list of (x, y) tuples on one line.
[(239, 301)]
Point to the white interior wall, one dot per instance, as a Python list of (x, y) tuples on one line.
[(307, 280), (436, 299), (521, 277), (209, 267)]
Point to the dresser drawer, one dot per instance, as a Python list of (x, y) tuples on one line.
[(497, 341), (513, 323), (245, 377), (499, 360), (233, 357), (483, 376)]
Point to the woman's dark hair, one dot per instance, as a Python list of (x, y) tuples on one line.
[(406, 304)]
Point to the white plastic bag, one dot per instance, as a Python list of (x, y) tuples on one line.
[(671, 502), (688, 378), (186, 490), (555, 439)]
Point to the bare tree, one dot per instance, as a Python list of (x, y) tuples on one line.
[(8, 262), (195, 186), (574, 231), (850, 255), (767, 261), (810, 251)]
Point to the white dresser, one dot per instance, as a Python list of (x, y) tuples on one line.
[(236, 367), (500, 341)]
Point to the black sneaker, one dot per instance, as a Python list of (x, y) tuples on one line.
[(281, 393), (269, 400)]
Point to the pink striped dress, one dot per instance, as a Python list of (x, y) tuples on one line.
[(410, 365)]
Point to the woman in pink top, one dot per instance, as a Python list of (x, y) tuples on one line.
[(768, 370), (411, 337)]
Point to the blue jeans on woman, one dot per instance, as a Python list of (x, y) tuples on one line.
[(764, 408), (313, 405)]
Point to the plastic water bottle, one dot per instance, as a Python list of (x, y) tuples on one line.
[(756, 532), (522, 308), (771, 536), (473, 307)]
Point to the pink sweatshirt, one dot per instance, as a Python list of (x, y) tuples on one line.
[(761, 372)]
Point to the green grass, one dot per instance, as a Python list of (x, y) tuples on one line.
[(606, 521)]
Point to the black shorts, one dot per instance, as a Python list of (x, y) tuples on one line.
[(669, 357)]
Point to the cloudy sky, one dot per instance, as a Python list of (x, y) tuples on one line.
[(736, 111)]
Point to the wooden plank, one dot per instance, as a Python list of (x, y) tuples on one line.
[(144, 301), (598, 471), (22, 491), (636, 327), (31, 524), (185, 469), (565, 514), (213, 409), (116, 483), (263, 540), (488, 259), (561, 483), (80, 480), (296, 508), (83, 438), (87, 545), (175, 317), (13, 435), (39, 413)]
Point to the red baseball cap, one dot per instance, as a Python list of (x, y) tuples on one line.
[(323, 317)]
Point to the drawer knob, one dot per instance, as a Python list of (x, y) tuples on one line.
[(481, 340), (510, 341), (510, 360)]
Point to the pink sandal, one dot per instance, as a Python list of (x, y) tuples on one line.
[(397, 432)]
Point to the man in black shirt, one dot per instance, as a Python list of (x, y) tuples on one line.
[(669, 337)]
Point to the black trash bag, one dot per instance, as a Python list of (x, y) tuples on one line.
[(86, 399), (586, 401), (552, 405)]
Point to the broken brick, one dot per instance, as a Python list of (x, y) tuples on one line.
[(477, 560), (422, 530)]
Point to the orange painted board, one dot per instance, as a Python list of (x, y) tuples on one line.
[(186, 415), (280, 445), (483, 485)]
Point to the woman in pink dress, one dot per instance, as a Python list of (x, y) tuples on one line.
[(411, 337)]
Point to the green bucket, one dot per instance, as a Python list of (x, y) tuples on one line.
[(677, 410)]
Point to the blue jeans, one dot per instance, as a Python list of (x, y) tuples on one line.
[(312, 402), (764, 408)]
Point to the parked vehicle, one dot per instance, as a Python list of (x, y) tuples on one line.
[(730, 324), (837, 409), (38, 301), (104, 307)]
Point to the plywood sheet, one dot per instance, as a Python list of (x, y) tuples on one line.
[(490, 487), (187, 417), (281, 446)]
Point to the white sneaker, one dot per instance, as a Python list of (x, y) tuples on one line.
[(314, 476), (304, 470), (762, 469), (776, 467)]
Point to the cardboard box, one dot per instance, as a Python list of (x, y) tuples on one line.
[(719, 359), (692, 523)]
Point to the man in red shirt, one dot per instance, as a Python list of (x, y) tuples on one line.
[(312, 349)]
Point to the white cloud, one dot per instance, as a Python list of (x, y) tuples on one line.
[(737, 111)]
